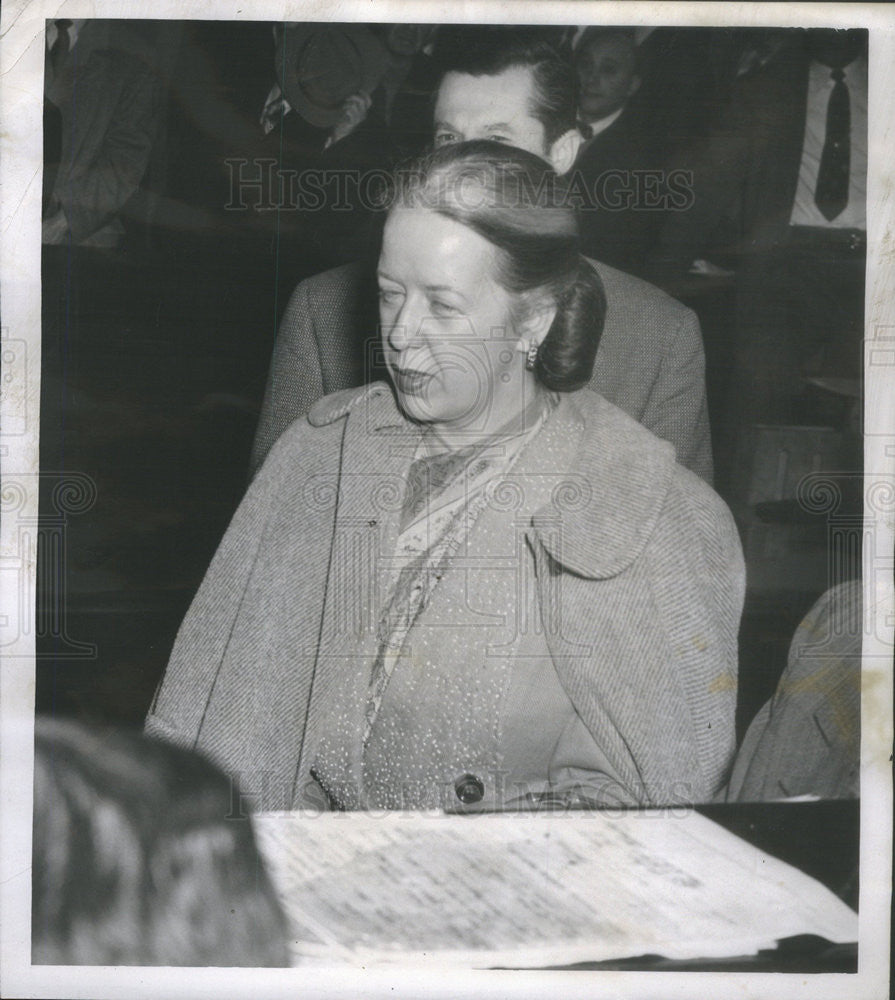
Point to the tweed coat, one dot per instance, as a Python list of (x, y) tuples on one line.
[(650, 361), (807, 739), (647, 559)]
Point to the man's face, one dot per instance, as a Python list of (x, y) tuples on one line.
[(490, 107), (606, 77)]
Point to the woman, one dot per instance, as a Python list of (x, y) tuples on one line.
[(479, 587)]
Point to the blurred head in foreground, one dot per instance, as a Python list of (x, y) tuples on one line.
[(135, 861)]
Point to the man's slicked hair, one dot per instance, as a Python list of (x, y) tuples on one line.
[(482, 50)]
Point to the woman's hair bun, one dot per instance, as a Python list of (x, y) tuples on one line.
[(566, 355)]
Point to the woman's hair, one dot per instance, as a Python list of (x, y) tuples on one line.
[(141, 858), (518, 204)]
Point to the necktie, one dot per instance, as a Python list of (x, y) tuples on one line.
[(831, 194)]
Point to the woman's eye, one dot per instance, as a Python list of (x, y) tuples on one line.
[(443, 308), (388, 296), (444, 138), (499, 138)]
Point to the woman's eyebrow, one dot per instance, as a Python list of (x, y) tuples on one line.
[(445, 288)]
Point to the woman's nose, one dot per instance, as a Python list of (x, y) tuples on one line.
[(403, 327)]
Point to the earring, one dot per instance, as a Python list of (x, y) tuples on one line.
[(531, 356)]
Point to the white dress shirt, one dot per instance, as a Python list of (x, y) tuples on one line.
[(73, 32)]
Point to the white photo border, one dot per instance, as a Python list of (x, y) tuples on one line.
[(21, 95)]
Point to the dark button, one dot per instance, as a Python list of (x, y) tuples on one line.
[(469, 789)]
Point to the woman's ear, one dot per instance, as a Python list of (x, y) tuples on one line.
[(536, 322)]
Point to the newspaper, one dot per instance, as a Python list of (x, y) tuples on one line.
[(534, 891)]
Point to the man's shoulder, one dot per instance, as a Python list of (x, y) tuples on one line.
[(637, 296), (314, 434), (335, 281), (334, 297), (626, 143)]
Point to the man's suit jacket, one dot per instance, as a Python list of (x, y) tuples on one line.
[(619, 227), (746, 171), (650, 361), (642, 555), (108, 99)]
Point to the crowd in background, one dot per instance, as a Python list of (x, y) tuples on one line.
[(270, 142)]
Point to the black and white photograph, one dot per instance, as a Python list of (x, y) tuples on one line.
[(448, 499)]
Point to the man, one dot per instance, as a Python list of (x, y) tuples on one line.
[(650, 363), (100, 120), (319, 116), (619, 160), (788, 166), (608, 76)]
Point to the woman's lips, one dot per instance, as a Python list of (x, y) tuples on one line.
[(409, 381)]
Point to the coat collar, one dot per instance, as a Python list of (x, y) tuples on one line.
[(619, 475), (376, 401), (612, 474)]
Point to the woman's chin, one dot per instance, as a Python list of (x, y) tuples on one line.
[(418, 409), (431, 411)]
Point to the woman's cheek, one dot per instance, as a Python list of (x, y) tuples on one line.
[(387, 314)]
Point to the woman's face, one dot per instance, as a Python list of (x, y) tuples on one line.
[(447, 326)]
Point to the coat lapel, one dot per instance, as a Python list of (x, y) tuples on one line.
[(378, 448), (611, 490), (593, 522)]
